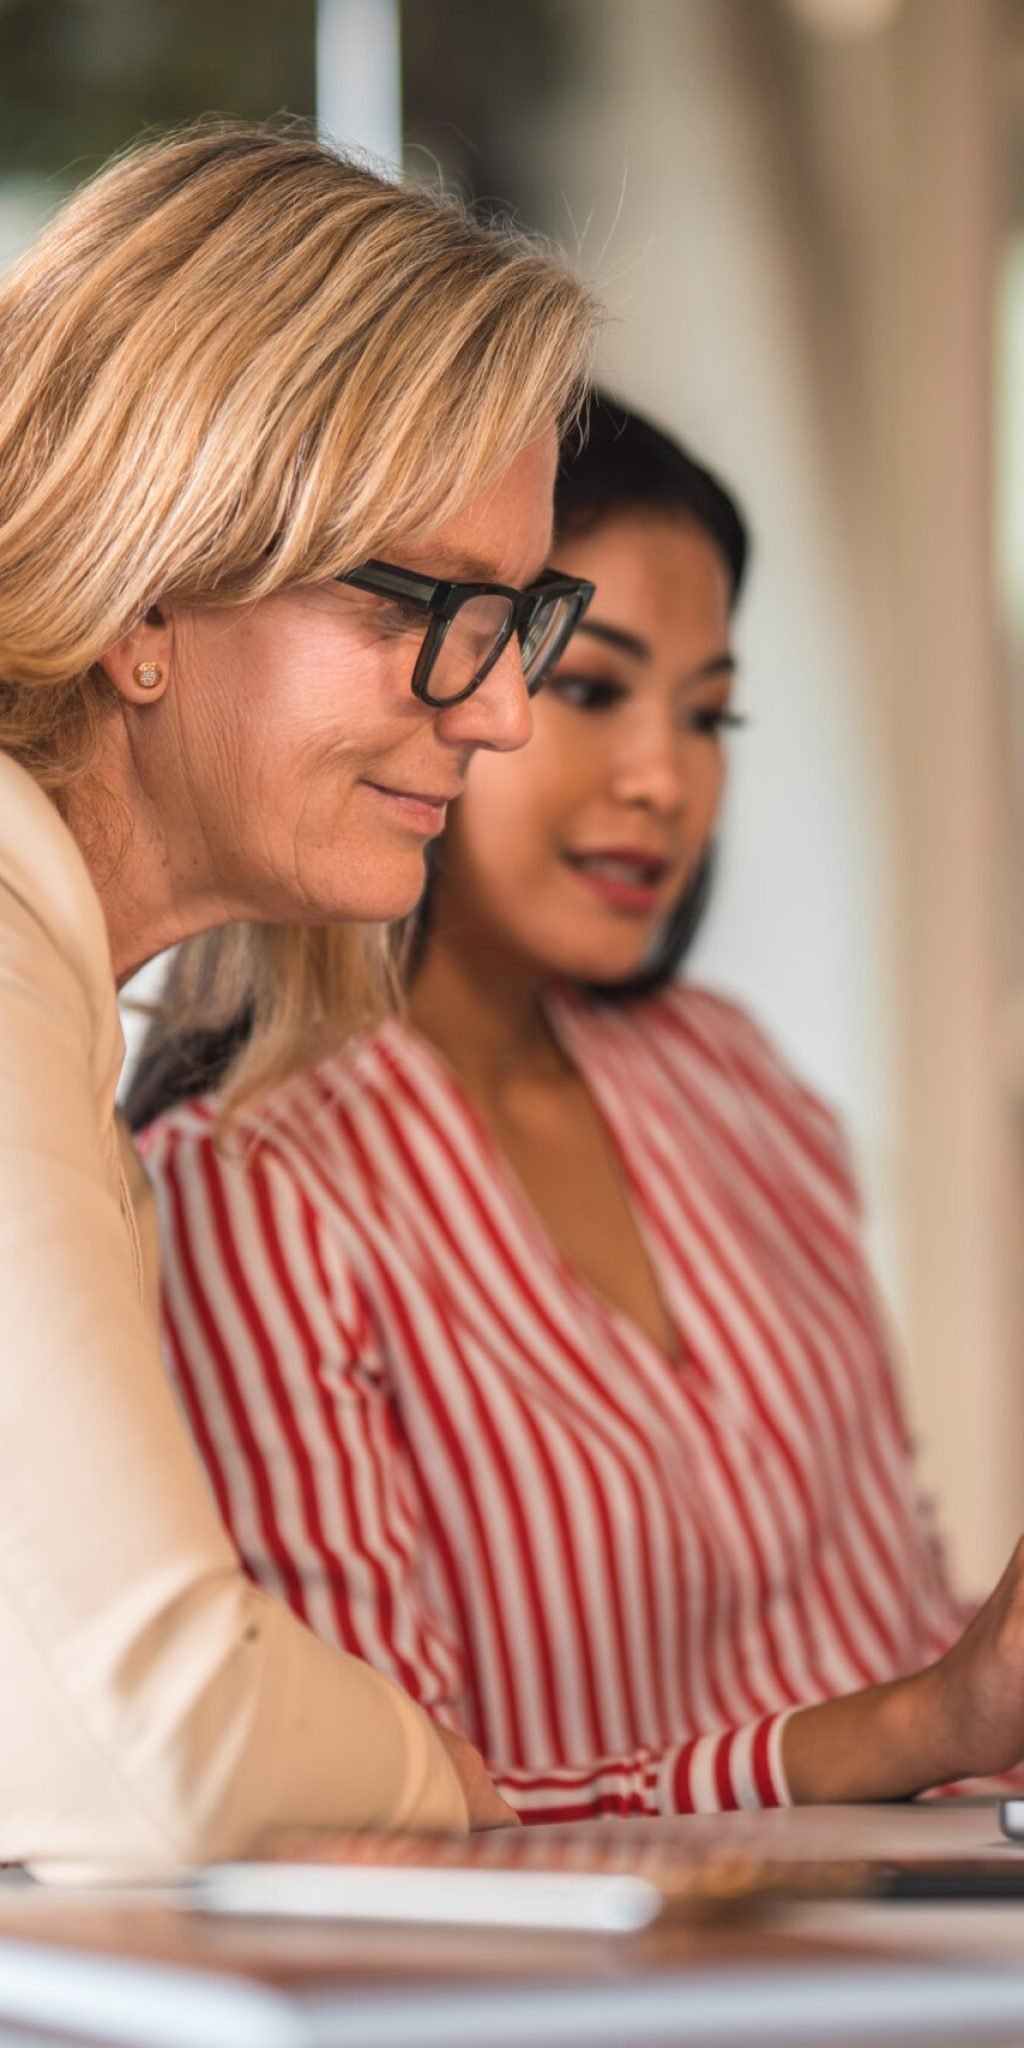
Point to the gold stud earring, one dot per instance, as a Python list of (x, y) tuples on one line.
[(148, 674)]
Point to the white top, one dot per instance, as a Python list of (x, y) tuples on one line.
[(155, 1707)]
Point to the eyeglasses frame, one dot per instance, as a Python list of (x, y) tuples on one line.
[(441, 601)]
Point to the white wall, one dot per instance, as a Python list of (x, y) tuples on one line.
[(797, 242), (672, 155)]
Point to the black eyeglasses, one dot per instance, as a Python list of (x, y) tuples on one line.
[(468, 625)]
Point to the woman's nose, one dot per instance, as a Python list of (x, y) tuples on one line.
[(498, 714), (653, 773)]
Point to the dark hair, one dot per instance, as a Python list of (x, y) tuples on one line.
[(625, 464), (175, 1065), (622, 463)]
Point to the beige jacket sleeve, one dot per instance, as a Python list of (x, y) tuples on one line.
[(155, 1707)]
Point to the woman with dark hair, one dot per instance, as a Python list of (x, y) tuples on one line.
[(530, 1345)]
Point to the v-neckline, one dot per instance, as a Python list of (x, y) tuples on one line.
[(531, 1223)]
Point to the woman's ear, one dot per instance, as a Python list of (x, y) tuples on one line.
[(139, 666)]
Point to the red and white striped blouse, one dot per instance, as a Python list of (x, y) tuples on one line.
[(612, 1569)]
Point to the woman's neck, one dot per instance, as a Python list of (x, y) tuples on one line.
[(483, 1009), (147, 905)]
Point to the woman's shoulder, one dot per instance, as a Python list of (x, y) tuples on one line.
[(49, 909), (709, 1040), (717, 1026), (280, 1130), (61, 1045), (712, 1026)]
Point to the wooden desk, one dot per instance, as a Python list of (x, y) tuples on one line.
[(924, 1833), (136, 1968)]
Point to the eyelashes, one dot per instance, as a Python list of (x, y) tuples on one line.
[(585, 693), (596, 694), (713, 721)]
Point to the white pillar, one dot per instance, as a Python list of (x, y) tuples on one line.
[(359, 76)]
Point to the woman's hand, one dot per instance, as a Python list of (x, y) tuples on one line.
[(961, 1717), (487, 1808), (979, 1683)]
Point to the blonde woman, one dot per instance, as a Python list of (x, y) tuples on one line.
[(277, 441)]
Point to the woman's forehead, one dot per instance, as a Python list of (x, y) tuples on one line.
[(652, 575)]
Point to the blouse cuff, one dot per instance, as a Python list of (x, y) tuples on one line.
[(736, 1768)]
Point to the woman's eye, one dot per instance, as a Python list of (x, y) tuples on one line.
[(713, 719), (585, 693)]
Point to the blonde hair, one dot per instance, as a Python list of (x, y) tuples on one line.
[(235, 361)]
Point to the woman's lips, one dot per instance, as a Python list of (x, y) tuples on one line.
[(421, 810), (626, 880)]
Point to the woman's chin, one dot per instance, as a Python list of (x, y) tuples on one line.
[(598, 970), (367, 898), (377, 910)]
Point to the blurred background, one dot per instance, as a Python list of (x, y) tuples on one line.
[(807, 220)]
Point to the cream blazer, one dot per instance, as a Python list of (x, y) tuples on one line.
[(156, 1709)]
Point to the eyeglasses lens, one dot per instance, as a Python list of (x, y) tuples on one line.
[(545, 637), (477, 630)]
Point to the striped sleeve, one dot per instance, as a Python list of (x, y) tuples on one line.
[(722, 1772), (268, 1341)]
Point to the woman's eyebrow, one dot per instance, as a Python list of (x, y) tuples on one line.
[(615, 636), (719, 665), (633, 643)]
